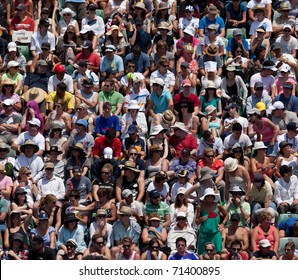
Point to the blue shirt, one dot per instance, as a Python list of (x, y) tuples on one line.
[(236, 15), (204, 22), (102, 124), (232, 43), (116, 63), (141, 62), (186, 256), (287, 226), (290, 104), (160, 102)]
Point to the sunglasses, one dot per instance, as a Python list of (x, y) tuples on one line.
[(126, 246), (259, 88), (209, 156), (6, 106), (237, 151), (133, 154), (3, 150), (99, 243), (155, 85), (130, 66), (33, 125), (125, 215), (155, 247), (180, 219), (56, 129), (238, 51), (105, 173), (165, 65), (67, 15), (236, 249), (183, 106), (101, 216), (187, 12), (79, 109), (209, 250), (57, 106), (70, 246)]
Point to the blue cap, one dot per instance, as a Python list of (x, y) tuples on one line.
[(233, 105), (154, 194), (132, 129), (43, 216), (82, 122)]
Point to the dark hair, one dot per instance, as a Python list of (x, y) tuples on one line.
[(241, 160), (152, 241), (236, 242), (237, 46), (160, 44), (258, 51), (38, 239), (129, 61), (237, 127), (51, 135), (178, 202), (16, 199), (179, 239), (206, 134), (95, 236), (111, 133), (110, 81), (62, 86), (74, 38), (74, 193)]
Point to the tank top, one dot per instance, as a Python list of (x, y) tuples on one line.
[(152, 170), (232, 90), (131, 257), (148, 255), (266, 131), (270, 236), (237, 181), (133, 186)]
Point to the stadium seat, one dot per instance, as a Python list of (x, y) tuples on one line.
[(229, 33), (24, 50), (283, 217), (283, 241), (100, 13)]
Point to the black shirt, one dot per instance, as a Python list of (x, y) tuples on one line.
[(47, 254)]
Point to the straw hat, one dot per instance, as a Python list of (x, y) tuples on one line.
[(211, 50), (210, 84), (78, 146), (4, 146), (236, 189), (180, 125), (164, 25), (8, 82), (210, 191), (284, 7), (114, 27), (163, 6), (29, 143), (125, 210), (259, 7), (157, 129), (168, 116), (154, 148), (230, 164), (140, 5), (212, 9), (131, 165), (36, 94), (209, 109)]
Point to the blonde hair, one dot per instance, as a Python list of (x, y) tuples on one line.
[(188, 48)]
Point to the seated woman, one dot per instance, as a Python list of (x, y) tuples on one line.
[(164, 29), (44, 230), (237, 153), (115, 37), (12, 74), (20, 203), (155, 163), (188, 56), (154, 230), (18, 249), (211, 122), (265, 231), (8, 92), (185, 114), (256, 63), (289, 252), (98, 247), (71, 229), (236, 15), (158, 137), (210, 253), (260, 42), (212, 38), (71, 254), (86, 33), (181, 204), (159, 184), (153, 252), (67, 18), (161, 49)]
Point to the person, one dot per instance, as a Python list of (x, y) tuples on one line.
[(265, 231), (115, 37), (43, 229), (153, 251), (210, 253), (125, 227), (154, 230), (284, 76), (98, 247), (14, 55), (182, 253), (289, 100), (56, 139), (234, 232), (71, 253), (181, 228), (237, 153), (289, 252), (286, 158), (17, 249), (288, 228), (236, 252), (286, 191), (126, 251), (265, 252), (20, 203), (21, 21), (71, 229), (67, 18), (261, 194), (208, 217), (14, 80), (237, 204), (290, 135), (32, 111), (39, 251), (234, 117), (211, 141), (59, 77), (6, 184)]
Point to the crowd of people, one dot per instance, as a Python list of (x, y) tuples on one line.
[(148, 130)]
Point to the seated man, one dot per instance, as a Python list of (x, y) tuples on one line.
[(264, 252), (237, 136), (209, 141), (289, 100), (21, 21), (290, 136), (236, 252), (59, 77), (182, 253)]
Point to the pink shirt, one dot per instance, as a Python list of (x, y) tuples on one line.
[(5, 184), (267, 132)]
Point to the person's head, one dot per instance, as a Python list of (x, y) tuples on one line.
[(209, 155), (37, 243), (285, 171), (290, 248), (49, 170), (14, 218), (87, 85), (210, 248), (188, 52), (154, 219), (136, 50), (87, 47), (70, 221), (154, 244), (182, 179), (132, 131), (132, 153), (110, 135), (158, 85), (265, 218), (260, 52), (104, 194), (208, 136), (180, 244), (237, 130), (73, 197), (181, 219), (19, 195), (130, 66), (107, 108), (109, 85), (232, 109), (185, 155), (259, 12), (110, 51), (237, 152), (71, 246), (107, 171), (237, 192), (91, 8), (21, 10), (278, 108), (235, 219), (236, 246), (43, 25), (81, 126), (163, 64), (161, 177), (61, 89), (17, 241), (97, 242), (287, 88), (127, 195), (48, 201), (258, 87), (155, 197), (125, 214), (287, 30), (70, 34), (155, 149), (126, 244), (264, 246), (101, 215), (29, 148), (161, 47), (285, 148), (43, 220), (7, 105)]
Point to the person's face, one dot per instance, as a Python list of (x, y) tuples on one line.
[(277, 51), (185, 157), (3, 153), (237, 153), (133, 154), (41, 69), (287, 90), (108, 87), (288, 175), (107, 110), (156, 87), (133, 135), (105, 173), (209, 157), (129, 199), (236, 249), (80, 128), (181, 220), (73, 201), (232, 111), (287, 148), (124, 217), (188, 14), (49, 172), (155, 247), (15, 218), (287, 32), (209, 249), (237, 134), (36, 246), (238, 52), (289, 251), (29, 151), (265, 250), (70, 247), (7, 107), (209, 198), (58, 107), (136, 86), (110, 54), (101, 218), (182, 181), (211, 139), (266, 222), (163, 67), (156, 200), (180, 247), (126, 246), (130, 68), (259, 91), (99, 243), (188, 55)]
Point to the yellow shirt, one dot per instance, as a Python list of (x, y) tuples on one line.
[(68, 99)]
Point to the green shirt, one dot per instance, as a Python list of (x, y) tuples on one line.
[(162, 210), (114, 97)]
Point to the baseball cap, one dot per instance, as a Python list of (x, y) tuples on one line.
[(82, 122), (132, 129), (159, 81), (287, 85), (43, 216), (189, 8), (233, 105), (110, 48), (35, 121), (154, 194), (12, 47), (44, 22), (264, 243), (184, 64), (285, 68), (287, 26), (276, 46), (59, 68), (49, 165), (108, 153), (186, 82), (45, 45), (21, 7), (181, 214), (253, 111), (258, 85), (235, 217), (87, 82), (237, 32), (292, 126), (8, 102), (126, 193), (87, 44), (258, 178), (277, 105)]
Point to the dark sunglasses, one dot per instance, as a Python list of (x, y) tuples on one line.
[(180, 219), (126, 246), (105, 173), (33, 125), (133, 154), (155, 247), (6, 106), (155, 85), (165, 65), (209, 250), (183, 106), (101, 216), (209, 156), (237, 151), (56, 129), (70, 246), (130, 66), (66, 15), (3, 150), (99, 243)]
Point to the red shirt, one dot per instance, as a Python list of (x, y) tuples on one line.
[(216, 164), (18, 24), (100, 144), (243, 256), (93, 58), (191, 98), (189, 142)]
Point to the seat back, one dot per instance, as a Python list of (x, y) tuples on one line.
[(229, 33), (284, 217)]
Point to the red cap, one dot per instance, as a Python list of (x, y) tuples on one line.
[(186, 82), (59, 68)]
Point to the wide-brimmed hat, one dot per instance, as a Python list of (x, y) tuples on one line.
[(4, 146), (85, 29), (190, 106), (212, 9), (131, 165), (211, 50), (125, 210), (72, 242), (236, 189), (114, 27), (78, 146), (259, 7), (140, 5), (8, 82), (283, 144), (189, 30), (69, 217), (29, 143), (259, 145), (230, 164), (57, 125), (157, 129), (20, 191), (168, 116), (206, 174), (163, 6), (231, 68), (164, 25), (155, 147), (133, 105), (211, 84), (36, 94), (284, 7), (210, 191), (180, 125), (67, 11), (209, 109), (154, 218), (12, 63)]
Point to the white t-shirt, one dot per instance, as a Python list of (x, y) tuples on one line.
[(254, 26), (165, 189), (39, 140), (267, 81), (251, 4), (243, 140), (217, 146), (184, 22)]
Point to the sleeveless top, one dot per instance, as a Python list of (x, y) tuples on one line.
[(133, 186), (47, 237), (292, 163), (148, 255), (266, 131), (21, 231), (131, 257), (270, 236), (63, 25), (215, 125), (152, 170), (237, 181)]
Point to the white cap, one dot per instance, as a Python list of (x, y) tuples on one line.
[(285, 68), (159, 81), (86, 28), (12, 63), (189, 30), (8, 102), (108, 153), (287, 26), (181, 214), (264, 243), (12, 47), (181, 190), (35, 121), (277, 105)]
